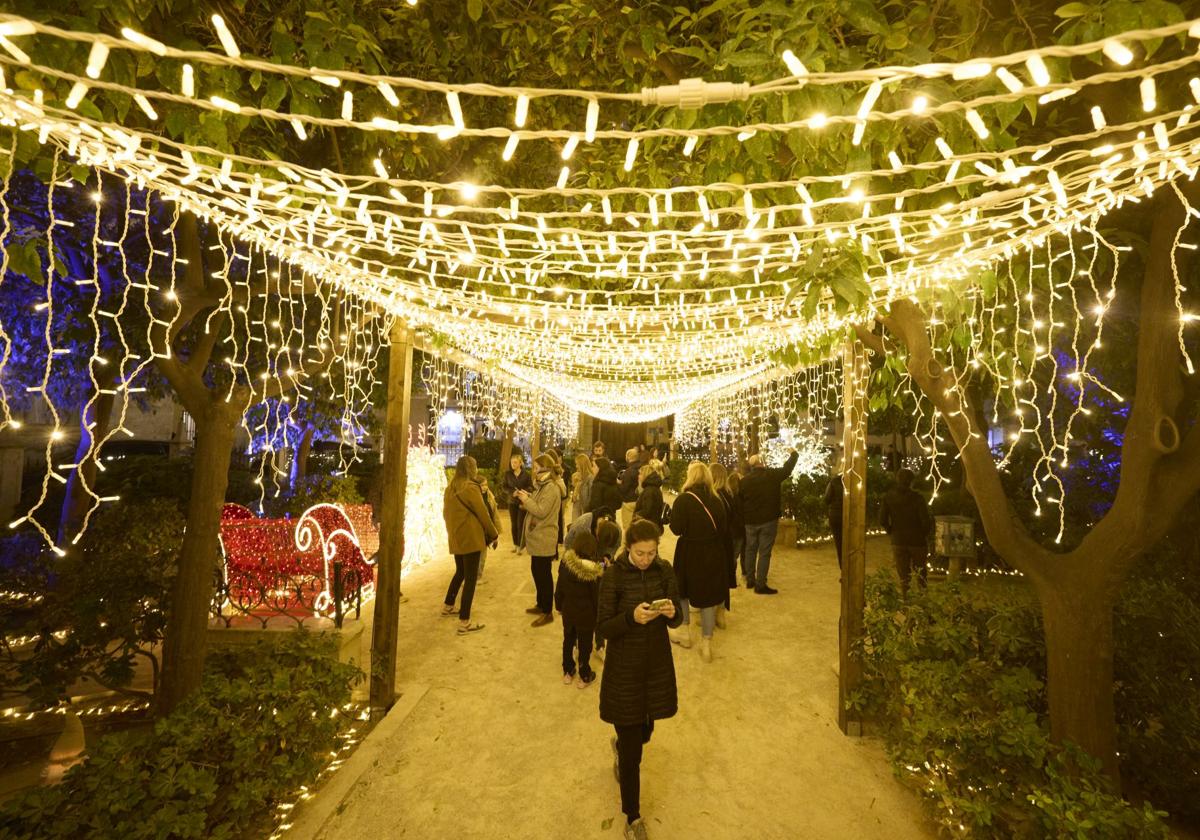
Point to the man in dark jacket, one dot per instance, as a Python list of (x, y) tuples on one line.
[(904, 514), (761, 509), (629, 487)]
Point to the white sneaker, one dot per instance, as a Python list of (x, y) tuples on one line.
[(636, 830), (681, 636)]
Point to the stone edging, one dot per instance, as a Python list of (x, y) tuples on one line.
[(310, 817)]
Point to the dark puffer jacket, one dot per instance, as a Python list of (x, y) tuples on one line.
[(604, 491), (577, 594), (650, 500), (638, 681), (762, 491), (704, 554)]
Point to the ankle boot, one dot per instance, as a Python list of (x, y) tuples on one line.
[(681, 635), (706, 648), (721, 617)]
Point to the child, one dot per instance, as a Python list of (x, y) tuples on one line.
[(577, 597)]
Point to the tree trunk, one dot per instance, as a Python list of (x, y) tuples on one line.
[(75, 503), (191, 594), (506, 449), (300, 458), (385, 629), (1079, 670)]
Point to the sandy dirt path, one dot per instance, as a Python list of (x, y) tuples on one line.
[(500, 748)]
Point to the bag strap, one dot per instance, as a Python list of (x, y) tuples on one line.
[(706, 510)]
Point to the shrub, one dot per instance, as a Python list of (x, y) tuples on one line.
[(954, 675), (109, 596), (487, 454), (259, 728), (1157, 664), (313, 490)]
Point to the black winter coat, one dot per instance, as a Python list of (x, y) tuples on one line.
[(905, 515), (577, 593), (638, 681), (510, 481), (605, 492), (704, 565), (650, 500), (761, 492), (733, 505), (628, 483)]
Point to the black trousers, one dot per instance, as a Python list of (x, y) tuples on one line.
[(466, 571), (835, 526), (630, 740), (543, 582), (573, 635), (516, 516)]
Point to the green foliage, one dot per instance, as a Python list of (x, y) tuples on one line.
[(315, 489), (259, 728), (109, 596), (487, 454), (1158, 692), (955, 675), (804, 500)]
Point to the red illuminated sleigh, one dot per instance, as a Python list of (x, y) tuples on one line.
[(313, 566)]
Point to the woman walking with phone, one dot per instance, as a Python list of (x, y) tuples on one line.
[(638, 602), (542, 507), (470, 529)]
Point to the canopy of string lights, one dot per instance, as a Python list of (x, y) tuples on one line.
[(634, 300)]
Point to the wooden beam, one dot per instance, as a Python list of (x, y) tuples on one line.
[(712, 435), (385, 628), (855, 373)]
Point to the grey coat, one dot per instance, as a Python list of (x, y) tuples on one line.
[(541, 525)]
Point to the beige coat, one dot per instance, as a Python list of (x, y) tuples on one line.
[(468, 526)]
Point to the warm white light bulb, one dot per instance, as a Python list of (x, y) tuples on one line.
[(690, 145), (1038, 70), (794, 65), (226, 37), (1149, 94), (521, 111), (593, 117), (1098, 118), (569, 147), (389, 94), (187, 81), (510, 147), (78, 91), (1118, 52), (818, 120), (96, 59), (919, 104), (631, 154), (1010, 81)]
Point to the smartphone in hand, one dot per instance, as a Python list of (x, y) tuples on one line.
[(659, 604)]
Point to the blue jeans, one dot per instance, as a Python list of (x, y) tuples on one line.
[(760, 539), (708, 618)]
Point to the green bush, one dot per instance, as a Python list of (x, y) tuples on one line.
[(955, 676), (259, 728), (109, 596), (313, 490), (487, 454), (1157, 664)]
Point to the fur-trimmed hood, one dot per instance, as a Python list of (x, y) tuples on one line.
[(585, 570)]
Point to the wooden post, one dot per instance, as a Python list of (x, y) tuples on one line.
[(855, 373), (712, 436), (535, 432), (385, 628), (506, 450)]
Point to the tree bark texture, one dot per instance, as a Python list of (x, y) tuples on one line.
[(854, 529), (97, 414), (385, 627), (191, 594), (300, 458), (1077, 589)]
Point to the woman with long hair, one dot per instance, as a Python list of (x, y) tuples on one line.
[(639, 601), (542, 508), (581, 485), (721, 481), (469, 529), (701, 555)]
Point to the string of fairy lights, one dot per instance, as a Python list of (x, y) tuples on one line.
[(635, 301)]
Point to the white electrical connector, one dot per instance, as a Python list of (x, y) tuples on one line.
[(691, 94)]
